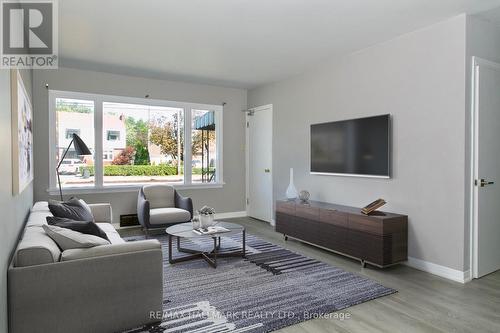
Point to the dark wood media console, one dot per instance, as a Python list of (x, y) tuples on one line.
[(380, 239)]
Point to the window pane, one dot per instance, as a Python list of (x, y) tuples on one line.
[(203, 147), (74, 117), (142, 143)]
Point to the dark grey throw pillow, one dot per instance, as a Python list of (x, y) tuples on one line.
[(85, 227), (75, 209)]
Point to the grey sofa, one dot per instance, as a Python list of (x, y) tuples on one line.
[(159, 206), (106, 288)]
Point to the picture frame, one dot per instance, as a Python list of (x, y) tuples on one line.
[(22, 134)]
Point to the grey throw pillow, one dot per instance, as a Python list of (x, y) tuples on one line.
[(75, 209), (85, 227), (68, 239)]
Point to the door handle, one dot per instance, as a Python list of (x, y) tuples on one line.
[(484, 183), (267, 170)]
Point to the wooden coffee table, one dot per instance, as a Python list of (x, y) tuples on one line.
[(185, 230)]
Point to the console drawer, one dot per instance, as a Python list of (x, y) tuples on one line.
[(286, 207), (307, 212), (366, 224), (333, 217)]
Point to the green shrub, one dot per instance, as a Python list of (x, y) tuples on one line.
[(135, 170)]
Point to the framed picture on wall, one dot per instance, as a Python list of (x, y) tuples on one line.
[(22, 134)]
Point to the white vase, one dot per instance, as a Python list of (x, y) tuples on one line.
[(206, 220), (291, 191)]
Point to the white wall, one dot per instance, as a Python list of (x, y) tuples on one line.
[(230, 198), (483, 40), (419, 78), (14, 208)]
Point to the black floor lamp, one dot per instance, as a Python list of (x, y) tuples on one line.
[(81, 150)]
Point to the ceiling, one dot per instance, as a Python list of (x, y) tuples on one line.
[(238, 43)]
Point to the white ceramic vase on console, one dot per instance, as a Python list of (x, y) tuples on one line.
[(291, 191)]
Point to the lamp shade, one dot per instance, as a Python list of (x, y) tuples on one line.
[(80, 146)]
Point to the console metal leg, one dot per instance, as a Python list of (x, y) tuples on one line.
[(363, 263), (285, 236)]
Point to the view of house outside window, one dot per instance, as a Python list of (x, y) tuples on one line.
[(140, 143), (74, 117)]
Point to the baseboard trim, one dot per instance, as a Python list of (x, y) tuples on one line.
[(442, 271), (230, 215)]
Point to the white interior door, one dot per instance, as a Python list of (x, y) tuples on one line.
[(487, 167), (260, 182)]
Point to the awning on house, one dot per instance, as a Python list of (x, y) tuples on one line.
[(205, 122)]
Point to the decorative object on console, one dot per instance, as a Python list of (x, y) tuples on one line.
[(291, 191), (206, 216), (373, 206), (304, 196), (81, 149)]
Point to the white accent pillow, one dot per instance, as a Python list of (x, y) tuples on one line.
[(68, 239)]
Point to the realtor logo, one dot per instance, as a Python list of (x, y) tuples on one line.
[(29, 34)]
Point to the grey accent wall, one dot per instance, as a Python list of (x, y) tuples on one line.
[(419, 78), (483, 40), (14, 209), (230, 198)]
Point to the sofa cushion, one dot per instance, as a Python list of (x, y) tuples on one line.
[(75, 209), (159, 196), (69, 239), (158, 216), (36, 248), (106, 250), (113, 235), (39, 212), (85, 227)]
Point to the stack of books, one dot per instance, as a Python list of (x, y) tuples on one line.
[(210, 230), (373, 206)]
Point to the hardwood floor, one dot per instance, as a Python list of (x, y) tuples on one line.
[(423, 303)]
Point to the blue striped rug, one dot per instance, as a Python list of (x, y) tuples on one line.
[(272, 288)]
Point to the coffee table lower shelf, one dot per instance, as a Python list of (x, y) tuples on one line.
[(210, 257)]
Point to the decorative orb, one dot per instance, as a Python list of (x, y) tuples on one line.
[(304, 196)]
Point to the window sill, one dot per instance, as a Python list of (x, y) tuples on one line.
[(127, 188)]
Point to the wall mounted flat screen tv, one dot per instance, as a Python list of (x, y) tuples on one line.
[(357, 147)]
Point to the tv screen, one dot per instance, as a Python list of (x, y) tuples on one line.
[(352, 147)]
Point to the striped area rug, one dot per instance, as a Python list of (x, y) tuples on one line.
[(272, 288)]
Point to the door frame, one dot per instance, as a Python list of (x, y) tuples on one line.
[(247, 156), (474, 160)]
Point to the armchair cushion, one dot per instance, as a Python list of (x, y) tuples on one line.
[(159, 216), (159, 196)]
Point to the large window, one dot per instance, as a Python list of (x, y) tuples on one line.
[(135, 141)]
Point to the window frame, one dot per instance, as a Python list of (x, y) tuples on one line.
[(99, 99)]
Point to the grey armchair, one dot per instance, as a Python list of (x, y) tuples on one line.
[(159, 206)]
